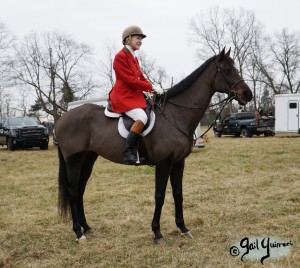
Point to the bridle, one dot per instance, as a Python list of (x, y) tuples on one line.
[(231, 95), (230, 89)]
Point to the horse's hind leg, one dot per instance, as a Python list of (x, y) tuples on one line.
[(176, 182), (85, 174)]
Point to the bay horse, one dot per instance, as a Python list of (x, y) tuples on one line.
[(85, 132)]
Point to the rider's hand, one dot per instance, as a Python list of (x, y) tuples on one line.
[(158, 91)]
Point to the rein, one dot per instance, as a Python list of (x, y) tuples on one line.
[(229, 99), (186, 107)]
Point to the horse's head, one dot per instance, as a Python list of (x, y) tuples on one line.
[(227, 79)]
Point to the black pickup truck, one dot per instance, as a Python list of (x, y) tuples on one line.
[(23, 132), (245, 124)]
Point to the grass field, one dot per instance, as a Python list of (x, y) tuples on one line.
[(233, 188)]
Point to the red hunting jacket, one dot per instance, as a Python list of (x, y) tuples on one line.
[(127, 92)]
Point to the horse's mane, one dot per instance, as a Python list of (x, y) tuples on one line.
[(186, 82)]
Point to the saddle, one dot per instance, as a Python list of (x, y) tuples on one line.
[(125, 122)]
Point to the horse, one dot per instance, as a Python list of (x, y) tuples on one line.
[(85, 132)]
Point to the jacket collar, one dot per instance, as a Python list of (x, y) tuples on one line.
[(130, 50)]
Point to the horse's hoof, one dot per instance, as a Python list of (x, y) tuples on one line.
[(159, 241), (81, 240), (187, 235)]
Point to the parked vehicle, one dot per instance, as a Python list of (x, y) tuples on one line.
[(245, 124), (23, 132), (287, 113)]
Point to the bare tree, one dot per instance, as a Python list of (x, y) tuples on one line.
[(243, 31), (154, 73), (255, 71), (286, 52), (54, 65), (106, 67), (208, 33), (277, 59), (6, 108), (217, 28), (6, 43), (271, 64)]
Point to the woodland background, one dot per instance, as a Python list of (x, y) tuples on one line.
[(44, 71)]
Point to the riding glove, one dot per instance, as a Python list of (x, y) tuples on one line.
[(159, 91)]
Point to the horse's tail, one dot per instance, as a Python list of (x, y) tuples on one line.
[(63, 200)]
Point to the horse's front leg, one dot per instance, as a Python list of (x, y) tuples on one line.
[(81, 215), (176, 182), (162, 173)]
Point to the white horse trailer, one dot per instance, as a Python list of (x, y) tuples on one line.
[(287, 113), (102, 101)]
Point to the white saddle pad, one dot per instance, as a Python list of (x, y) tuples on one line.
[(121, 128), (124, 132)]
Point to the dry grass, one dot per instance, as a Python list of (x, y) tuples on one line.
[(233, 188)]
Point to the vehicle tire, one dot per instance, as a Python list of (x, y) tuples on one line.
[(246, 133), (218, 134), (44, 147), (10, 145), (266, 134)]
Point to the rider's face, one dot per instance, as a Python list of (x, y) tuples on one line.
[(136, 42)]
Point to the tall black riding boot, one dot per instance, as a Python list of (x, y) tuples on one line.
[(128, 154)]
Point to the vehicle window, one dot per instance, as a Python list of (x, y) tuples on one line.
[(226, 119), (24, 121), (293, 105), (245, 116)]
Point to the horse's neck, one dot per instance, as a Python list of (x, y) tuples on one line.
[(194, 102)]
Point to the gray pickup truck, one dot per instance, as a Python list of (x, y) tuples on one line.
[(245, 124)]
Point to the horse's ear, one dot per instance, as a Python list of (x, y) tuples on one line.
[(221, 55), (228, 52)]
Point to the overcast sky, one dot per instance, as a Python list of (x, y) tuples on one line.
[(165, 22)]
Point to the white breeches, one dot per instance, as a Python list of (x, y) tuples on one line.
[(137, 114)]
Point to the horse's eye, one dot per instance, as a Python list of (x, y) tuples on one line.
[(227, 71)]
